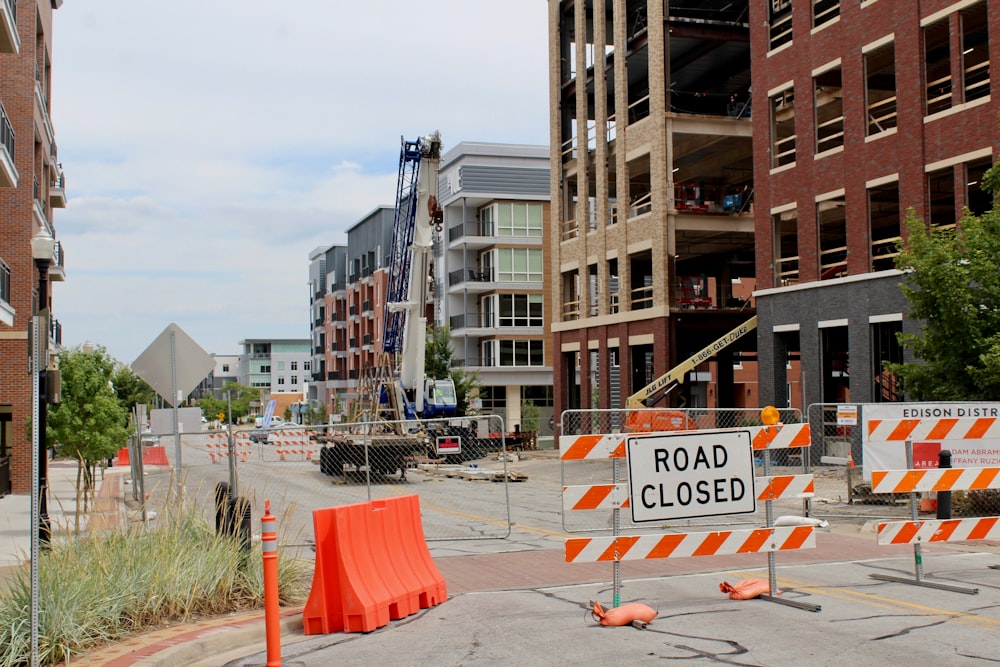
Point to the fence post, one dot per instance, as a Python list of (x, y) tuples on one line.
[(944, 497), (269, 549)]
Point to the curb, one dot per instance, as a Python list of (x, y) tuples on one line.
[(189, 643)]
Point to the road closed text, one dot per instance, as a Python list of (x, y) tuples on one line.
[(689, 475)]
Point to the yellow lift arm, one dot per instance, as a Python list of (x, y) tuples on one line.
[(676, 374)]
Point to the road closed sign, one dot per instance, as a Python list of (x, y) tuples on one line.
[(686, 475)]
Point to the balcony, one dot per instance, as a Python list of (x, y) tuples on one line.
[(57, 270), (471, 280), (55, 333), (8, 172), (57, 191), (10, 42)]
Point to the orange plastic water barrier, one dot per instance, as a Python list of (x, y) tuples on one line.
[(372, 566), (151, 456)]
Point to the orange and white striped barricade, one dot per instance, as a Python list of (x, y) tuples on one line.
[(917, 532), (620, 495), (960, 428)]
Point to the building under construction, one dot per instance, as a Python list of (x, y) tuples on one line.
[(652, 234)]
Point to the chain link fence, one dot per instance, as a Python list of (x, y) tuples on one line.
[(838, 445), (458, 467)]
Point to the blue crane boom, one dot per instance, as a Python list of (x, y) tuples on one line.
[(405, 325)]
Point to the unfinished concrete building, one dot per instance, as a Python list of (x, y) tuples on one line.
[(652, 235)]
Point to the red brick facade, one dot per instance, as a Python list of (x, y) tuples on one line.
[(25, 75), (918, 140)]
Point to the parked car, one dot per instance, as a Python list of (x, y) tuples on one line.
[(263, 434)]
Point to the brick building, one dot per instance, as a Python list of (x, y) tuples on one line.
[(863, 109), (31, 186), (652, 234)]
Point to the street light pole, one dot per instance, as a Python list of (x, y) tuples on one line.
[(42, 251)]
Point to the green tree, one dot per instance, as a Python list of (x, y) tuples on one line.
[(530, 414), (130, 389), (317, 416), (953, 285), (438, 363), (90, 421), (242, 397), (212, 407)]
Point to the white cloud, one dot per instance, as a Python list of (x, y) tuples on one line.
[(209, 146)]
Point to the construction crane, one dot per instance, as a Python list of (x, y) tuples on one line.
[(400, 388), (675, 420), (396, 394)]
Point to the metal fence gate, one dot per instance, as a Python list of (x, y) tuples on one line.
[(458, 467)]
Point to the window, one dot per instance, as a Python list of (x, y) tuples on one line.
[(593, 288), (306, 365), (782, 106), (571, 295), (786, 247), (493, 398), (613, 286), (886, 348), (293, 365), (832, 237), (521, 310), (4, 281), (521, 353), (265, 369), (295, 379), (512, 219), (829, 103), (883, 224), (281, 365), (487, 308), (281, 380), (937, 66), (880, 88), (975, 53), (225, 368), (642, 291), (977, 199), (825, 11), (941, 197), (519, 265), (781, 23)]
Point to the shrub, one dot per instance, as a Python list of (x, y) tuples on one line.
[(104, 587)]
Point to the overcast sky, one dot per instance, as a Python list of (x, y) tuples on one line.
[(210, 145)]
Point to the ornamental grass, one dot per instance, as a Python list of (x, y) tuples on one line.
[(106, 587)]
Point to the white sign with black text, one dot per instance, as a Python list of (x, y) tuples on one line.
[(685, 475)]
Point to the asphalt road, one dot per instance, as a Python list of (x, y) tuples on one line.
[(860, 621)]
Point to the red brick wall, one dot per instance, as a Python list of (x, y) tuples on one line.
[(17, 92), (914, 144)]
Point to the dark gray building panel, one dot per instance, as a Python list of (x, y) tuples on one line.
[(809, 306), (524, 183)]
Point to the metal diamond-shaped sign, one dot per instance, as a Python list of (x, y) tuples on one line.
[(193, 364)]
